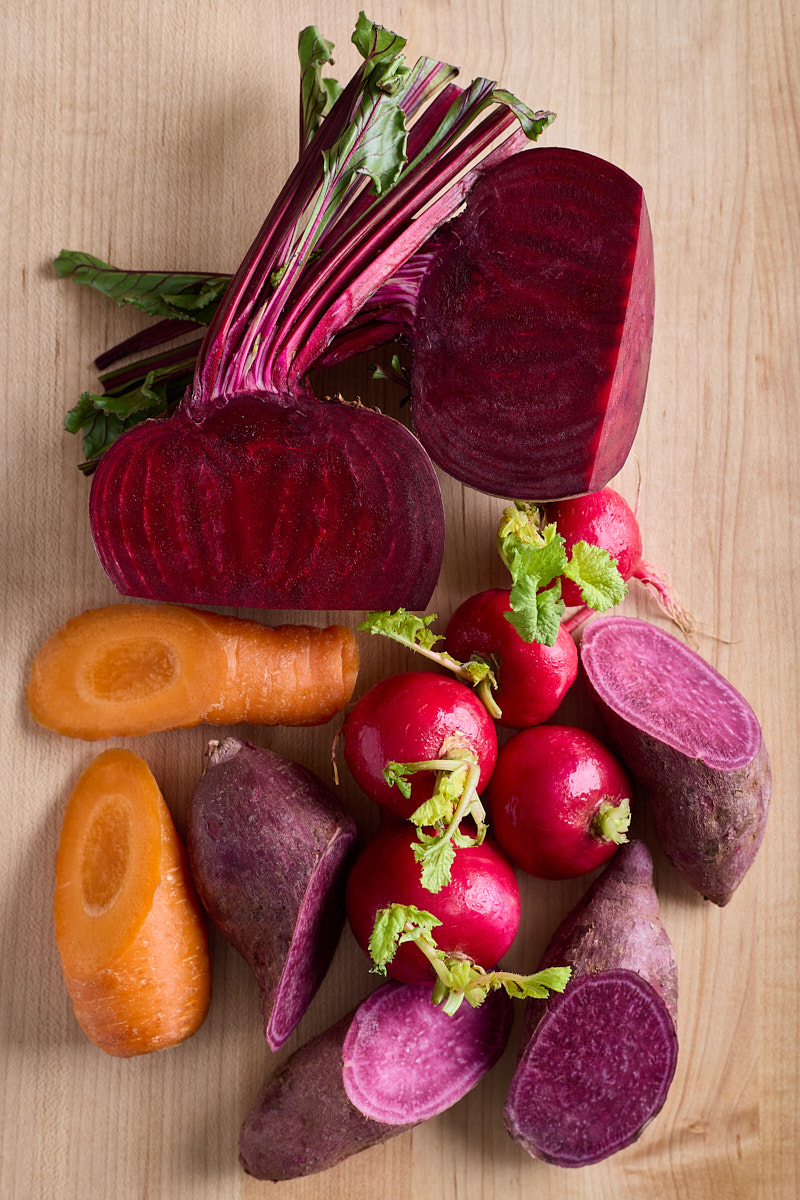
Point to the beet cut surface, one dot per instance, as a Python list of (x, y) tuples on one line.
[(534, 326), (270, 503)]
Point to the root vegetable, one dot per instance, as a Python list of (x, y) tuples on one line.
[(395, 1061), (131, 669), (693, 742), (597, 1061), (534, 326), (130, 935), (559, 801), (255, 493), (478, 910), (269, 847), (413, 717), (532, 678), (604, 518)]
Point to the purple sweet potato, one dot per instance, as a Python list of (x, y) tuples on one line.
[(269, 848), (393, 1062), (691, 740), (597, 1060)]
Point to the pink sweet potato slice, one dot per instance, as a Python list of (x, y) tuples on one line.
[(269, 847), (598, 1060), (533, 328), (393, 1062), (693, 742)]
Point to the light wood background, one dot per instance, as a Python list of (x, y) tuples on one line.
[(156, 134)]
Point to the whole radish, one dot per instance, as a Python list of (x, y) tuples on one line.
[(605, 519), (411, 718), (559, 801), (479, 909), (532, 678)]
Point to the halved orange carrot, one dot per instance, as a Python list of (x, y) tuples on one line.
[(131, 669), (132, 941)]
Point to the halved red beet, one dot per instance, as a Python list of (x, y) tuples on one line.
[(597, 1061), (395, 1061), (533, 329), (269, 847), (265, 502), (692, 740), (253, 493)]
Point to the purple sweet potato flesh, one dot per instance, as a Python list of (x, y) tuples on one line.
[(393, 1062), (405, 1060), (691, 740), (265, 502), (534, 326), (596, 1062), (596, 1070), (269, 848)]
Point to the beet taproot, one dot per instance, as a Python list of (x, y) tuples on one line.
[(533, 328), (597, 1061), (692, 741), (269, 847), (393, 1062)]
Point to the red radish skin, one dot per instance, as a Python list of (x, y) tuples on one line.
[(548, 787), (393, 1062), (269, 847), (534, 326), (604, 518), (597, 1062), (693, 742), (532, 678), (409, 718), (479, 909)]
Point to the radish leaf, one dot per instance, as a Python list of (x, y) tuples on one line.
[(596, 573)]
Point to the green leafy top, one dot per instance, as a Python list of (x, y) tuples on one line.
[(183, 295), (317, 95), (454, 799), (457, 978), (536, 557), (415, 633)]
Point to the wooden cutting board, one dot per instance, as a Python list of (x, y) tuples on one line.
[(156, 135)]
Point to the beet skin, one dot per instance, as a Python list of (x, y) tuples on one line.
[(269, 847)]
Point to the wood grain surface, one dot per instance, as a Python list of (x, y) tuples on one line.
[(156, 134)]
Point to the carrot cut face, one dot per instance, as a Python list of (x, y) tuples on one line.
[(132, 942), (127, 669)]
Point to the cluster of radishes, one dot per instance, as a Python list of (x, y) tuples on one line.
[(424, 747)]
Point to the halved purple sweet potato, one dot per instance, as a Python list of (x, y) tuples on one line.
[(393, 1062), (533, 329), (693, 742), (269, 848), (597, 1061)]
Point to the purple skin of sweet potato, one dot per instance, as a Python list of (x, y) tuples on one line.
[(691, 740), (598, 1060), (533, 329), (268, 502), (269, 849), (393, 1062)]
